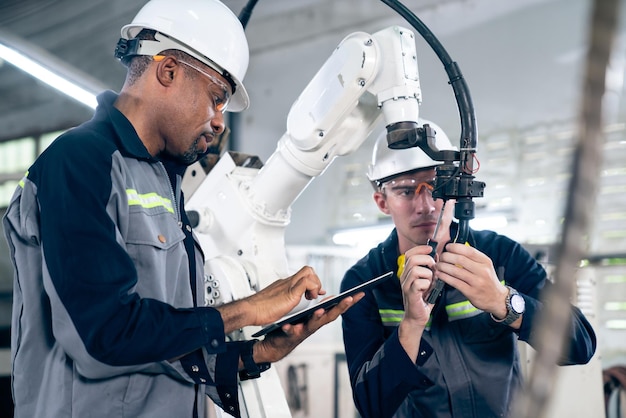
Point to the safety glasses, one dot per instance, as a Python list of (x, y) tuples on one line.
[(407, 189), (220, 93)]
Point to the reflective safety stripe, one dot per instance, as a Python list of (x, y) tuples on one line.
[(461, 310), (148, 200), (21, 182), (455, 311), (392, 317)]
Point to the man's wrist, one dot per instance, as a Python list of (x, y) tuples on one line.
[(499, 315), (251, 369), (236, 315), (501, 310), (515, 307), (412, 325)]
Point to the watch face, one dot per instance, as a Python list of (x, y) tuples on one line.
[(518, 303)]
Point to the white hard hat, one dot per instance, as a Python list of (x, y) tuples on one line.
[(387, 162), (205, 29)]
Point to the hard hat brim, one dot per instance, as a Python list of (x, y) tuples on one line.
[(240, 100)]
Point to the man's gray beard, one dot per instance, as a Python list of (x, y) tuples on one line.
[(191, 155)]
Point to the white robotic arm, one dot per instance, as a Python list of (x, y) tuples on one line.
[(368, 77), (243, 211), (339, 108)]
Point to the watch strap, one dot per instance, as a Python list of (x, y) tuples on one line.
[(251, 370), (511, 315)]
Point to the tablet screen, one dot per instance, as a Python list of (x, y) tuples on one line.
[(303, 315)]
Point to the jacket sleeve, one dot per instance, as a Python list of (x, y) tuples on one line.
[(580, 336), (381, 373), (526, 275)]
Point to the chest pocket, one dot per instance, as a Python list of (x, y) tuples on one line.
[(152, 221), (158, 230), (154, 241)]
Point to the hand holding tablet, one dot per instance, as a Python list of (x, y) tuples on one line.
[(303, 315)]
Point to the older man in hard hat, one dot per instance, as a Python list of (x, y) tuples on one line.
[(460, 358), (108, 317)]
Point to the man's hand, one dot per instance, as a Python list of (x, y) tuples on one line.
[(273, 302), (416, 280), (471, 272), (278, 344), (279, 298)]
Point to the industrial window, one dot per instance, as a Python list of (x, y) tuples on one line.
[(16, 156)]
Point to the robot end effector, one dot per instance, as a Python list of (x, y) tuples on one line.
[(454, 177)]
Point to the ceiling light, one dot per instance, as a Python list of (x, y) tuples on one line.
[(49, 69), (53, 80), (363, 236), (490, 222), (616, 324)]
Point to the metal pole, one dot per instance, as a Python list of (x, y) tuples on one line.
[(552, 326)]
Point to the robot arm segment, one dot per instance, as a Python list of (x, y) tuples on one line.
[(368, 77), (398, 89)]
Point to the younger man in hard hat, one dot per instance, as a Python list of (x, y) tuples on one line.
[(459, 358), (108, 310)]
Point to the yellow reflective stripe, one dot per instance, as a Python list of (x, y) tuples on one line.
[(148, 200), (455, 311), (21, 182), (392, 317), (461, 310)]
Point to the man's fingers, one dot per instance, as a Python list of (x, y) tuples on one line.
[(322, 317), (306, 282), (417, 273), (418, 250), (420, 285), (348, 302)]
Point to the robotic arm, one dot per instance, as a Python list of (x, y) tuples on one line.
[(366, 77), (243, 211)]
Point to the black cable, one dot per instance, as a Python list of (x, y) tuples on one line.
[(467, 143), (234, 119), (456, 80), (246, 12)]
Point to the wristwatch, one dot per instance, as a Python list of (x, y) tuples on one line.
[(515, 307), (251, 370)]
